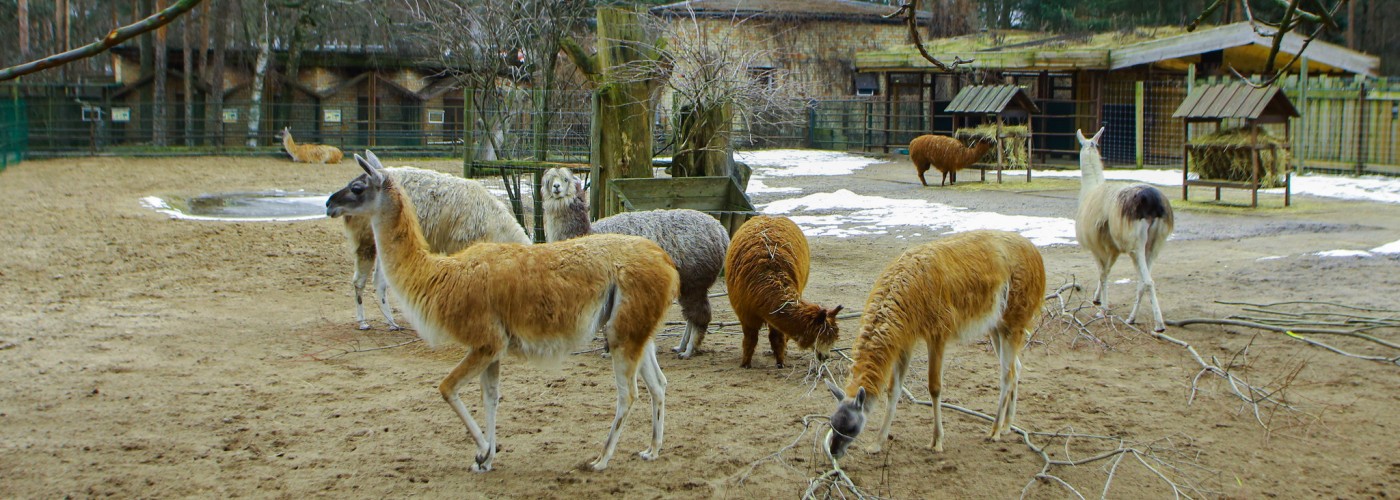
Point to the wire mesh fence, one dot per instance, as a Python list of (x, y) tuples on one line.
[(1347, 125), (14, 132)]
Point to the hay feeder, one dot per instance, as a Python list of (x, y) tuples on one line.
[(1251, 107), (993, 107)]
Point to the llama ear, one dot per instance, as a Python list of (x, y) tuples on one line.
[(836, 390), (1079, 134), (834, 311), (1097, 135), (860, 397), (375, 176)]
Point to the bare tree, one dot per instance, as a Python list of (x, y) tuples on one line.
[(1316, 22), (113, 38), (260, 75), (715, 76)]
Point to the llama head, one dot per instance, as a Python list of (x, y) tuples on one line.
[(827, 334), (1087, 144), (560, 183), (364, 194), (847, 421), (286, 131)]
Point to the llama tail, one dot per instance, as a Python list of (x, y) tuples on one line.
[(1147, 209)]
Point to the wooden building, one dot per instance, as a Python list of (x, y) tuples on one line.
[(1083, 81)]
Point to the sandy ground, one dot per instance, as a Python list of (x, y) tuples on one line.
[(142, 356)]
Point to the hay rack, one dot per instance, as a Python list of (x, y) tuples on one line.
[(1241, 103), (1000, 104)]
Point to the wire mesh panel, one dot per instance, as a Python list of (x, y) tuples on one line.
[(14, 132)]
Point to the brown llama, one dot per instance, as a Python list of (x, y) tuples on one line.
[(766, 270), (956, 288), (946, 154)]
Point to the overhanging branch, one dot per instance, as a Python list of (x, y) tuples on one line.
[(911, 19), (113, 38)]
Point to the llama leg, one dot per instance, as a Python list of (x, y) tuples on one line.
[(695, 306), (952, 177), (944, 181), (490, 398), (1008, 353), (935, 391), (921, 171), (1138, 262), (779, 343), (750, 328), (474, 364), (363, 269), (895, 393), (381, 287), (1101, 293), (625, 364), (1149, 288), (656, 386)]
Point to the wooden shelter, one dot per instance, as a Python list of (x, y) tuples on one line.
[(995, 102), (1253, 106)]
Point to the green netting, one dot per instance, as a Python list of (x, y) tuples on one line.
[(14, 132)]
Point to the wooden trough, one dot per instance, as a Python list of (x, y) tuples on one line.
[(997, 104), (718, 196)]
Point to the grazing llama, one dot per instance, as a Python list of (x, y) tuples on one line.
[(454, 213), (956, 288), (946, 154), (1115, 219), (308, 153), (695, 241), (767, 267), (537, 302)]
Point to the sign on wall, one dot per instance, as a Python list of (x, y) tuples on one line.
[(121, 115), (231, 115), (330, 115), (436, 115)]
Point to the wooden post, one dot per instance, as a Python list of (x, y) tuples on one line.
[(1361, 129), (1298, 152), (1138, 121), (1185, 157), (1000, 160), (1030, 133), (1254, 163), (468, 132)]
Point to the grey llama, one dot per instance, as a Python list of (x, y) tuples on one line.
[(696, 241)]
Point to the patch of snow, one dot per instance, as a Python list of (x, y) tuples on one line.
[(1271, 257), (1388, 248), (1123, 281), (1366, 188), (793, 162), (1343, 253), (756, 186), (158, 204), (874, 214)]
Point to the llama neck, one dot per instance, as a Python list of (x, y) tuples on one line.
[(874, 360), (397, 236), (1090, 171), (801, 321), (976, 152), (287, 142)]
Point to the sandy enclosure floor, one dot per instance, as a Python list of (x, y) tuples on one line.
[(151, 357)]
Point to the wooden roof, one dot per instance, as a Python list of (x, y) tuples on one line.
[(1166, 47), (991, 100), (1235, 100)]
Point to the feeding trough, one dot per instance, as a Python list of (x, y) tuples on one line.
[(1237, 158), (1003, 114), (718, 196), (245, 206)]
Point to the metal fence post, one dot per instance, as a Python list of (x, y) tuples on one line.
[(1139, 100)]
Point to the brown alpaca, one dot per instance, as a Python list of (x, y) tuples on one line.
[(308, 153), (766, 270), (946, 154)]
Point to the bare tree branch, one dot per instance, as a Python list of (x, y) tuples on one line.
[(112, 39), (910, 11)]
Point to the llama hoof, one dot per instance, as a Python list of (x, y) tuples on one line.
[(745, 365), (685, 355), (395, 328), (1097, 303), (779, 365), (648, 455), (1160, 329), (677, 349), (479, 467), (598, 464), (364, 326)]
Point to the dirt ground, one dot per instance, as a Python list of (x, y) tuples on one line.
[(142, 356)]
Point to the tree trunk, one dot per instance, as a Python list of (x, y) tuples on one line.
[(703, 146), (186, 57), (623, 123), (159, 96), (23, 30), (259, 77), (216, 78), (285, 91)]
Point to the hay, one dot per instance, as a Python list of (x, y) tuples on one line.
[(1228, 157), (1013, 144)]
